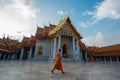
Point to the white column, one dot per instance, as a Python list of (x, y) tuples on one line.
[(54, 51), (80, 53), (77, 52), (30, 53), (52, 47), (36, 49), (101, 58), (21, 54), (104, 59), (4, 56), (117, 59), (73, 48), (110, 59), (59, 42), (8, 56), (14, 57)]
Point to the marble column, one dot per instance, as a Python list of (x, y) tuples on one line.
[(73, 42), (117, 59), (8, 56), (110, 59), (30, 53), (59, 42), (104, 59), (52, 47), (80, 53), (14, 56), (21, 54), (54, 51), (77, 52), (36, 49), (4, 56)]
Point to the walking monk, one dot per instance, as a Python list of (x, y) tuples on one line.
[(58, 63)]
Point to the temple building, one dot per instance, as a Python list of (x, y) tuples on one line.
[(47, 40), (63, 36)]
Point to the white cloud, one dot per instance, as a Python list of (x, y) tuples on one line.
[(98, 38), (91, 40), (112, 39), (88, 40), (85, 24), (87, 13), (61, 12), (18, 16), (106, 9)]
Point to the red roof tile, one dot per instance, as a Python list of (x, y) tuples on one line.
[(40, 30), (9, 45), (26, 42), (32, 41), (52, 26), (46, 29)]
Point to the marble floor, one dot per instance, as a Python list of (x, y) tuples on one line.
[(40, 70)]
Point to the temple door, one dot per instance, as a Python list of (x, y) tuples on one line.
[(40, 50), (64, 52)]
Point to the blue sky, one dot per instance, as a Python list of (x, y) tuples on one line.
[(98, 21)]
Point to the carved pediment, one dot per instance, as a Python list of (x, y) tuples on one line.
[(66, 28)]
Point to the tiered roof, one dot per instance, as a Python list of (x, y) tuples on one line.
[(26, 42), (52, 26), (61, 24), (13, 46), (9, 45), (42, 33), (32, 41)]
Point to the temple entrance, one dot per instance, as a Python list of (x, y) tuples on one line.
[(64, 51)]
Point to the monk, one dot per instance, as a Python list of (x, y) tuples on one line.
[(58, 63)]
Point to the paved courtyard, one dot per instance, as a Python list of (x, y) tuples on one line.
[(40, 70)]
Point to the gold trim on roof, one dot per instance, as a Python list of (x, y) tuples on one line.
[(61, 24)]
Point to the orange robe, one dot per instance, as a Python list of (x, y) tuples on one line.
[(58, 64)]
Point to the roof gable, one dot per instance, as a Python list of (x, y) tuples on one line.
[(65, 24)]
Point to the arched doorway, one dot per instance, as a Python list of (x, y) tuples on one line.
[(64, 51)]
